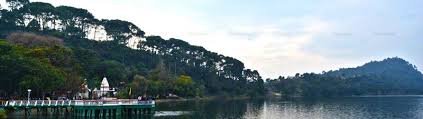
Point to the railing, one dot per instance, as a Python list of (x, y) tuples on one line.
[(65, 103), (113, 102)]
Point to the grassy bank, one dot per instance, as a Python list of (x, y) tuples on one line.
[(3, 114)]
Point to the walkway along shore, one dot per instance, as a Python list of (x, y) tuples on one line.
[(83, 108)]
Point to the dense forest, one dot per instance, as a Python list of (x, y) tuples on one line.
[(55, 50), (391, 76)]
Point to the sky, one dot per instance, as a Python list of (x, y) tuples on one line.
[(279, 37)]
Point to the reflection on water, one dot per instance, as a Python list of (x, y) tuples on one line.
[(171, 113), (345, 108), (408, 107), (342, 108)]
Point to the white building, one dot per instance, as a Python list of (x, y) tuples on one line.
[(104, 89)]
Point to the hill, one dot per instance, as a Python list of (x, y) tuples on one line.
[(120, 51), (389, 76), (393, 67)]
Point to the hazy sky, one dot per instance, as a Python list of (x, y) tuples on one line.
[(280, 37)]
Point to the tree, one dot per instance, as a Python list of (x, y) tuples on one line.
[(33, 26), (121, 31), (20, 70), (89, 60), (139, 86), (74, 20), (42, 13), (33, 40), (186, 87), (116, 72), (16, 4), (56, 60), (160, 72)]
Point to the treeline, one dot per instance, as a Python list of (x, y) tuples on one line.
[(392, 76), (39, 63), (120, 51), (45, 65)]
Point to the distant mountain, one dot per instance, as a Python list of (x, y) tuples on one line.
[(392, 67), (389, 76)]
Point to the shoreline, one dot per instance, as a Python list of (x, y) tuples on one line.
[(386, 96), (207, 98), (352, 96)]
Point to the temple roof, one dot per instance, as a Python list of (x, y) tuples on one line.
[(104, 83)]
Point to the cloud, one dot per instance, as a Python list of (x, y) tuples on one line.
[(273, 49)]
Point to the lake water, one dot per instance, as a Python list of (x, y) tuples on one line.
[(395, 107)]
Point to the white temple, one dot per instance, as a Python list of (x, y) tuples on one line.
[(104, 89)]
